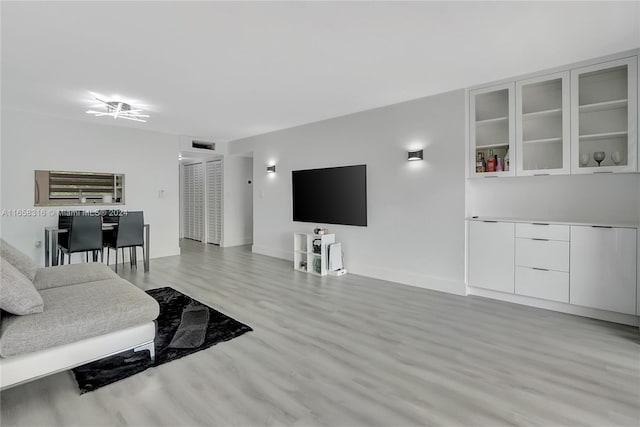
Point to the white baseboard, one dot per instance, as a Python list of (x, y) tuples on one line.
[(153, 255), (237, 242), (402, 277), (161, 254), (276, 253), (594, 313), (411, 279)]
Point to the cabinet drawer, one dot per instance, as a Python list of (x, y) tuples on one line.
[(544, 284), (542, 231), (548, 254)]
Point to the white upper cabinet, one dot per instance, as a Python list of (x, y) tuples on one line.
[(543, 125), (604, 117), (574, 121), (492, 131)]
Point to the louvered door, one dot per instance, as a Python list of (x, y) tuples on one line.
[(192, 199), (214, 201)]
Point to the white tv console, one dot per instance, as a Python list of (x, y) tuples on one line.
[(310, 258)]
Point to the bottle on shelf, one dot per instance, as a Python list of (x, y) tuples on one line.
[(479, 162), (506, 161), (499, 165), (491, 162)]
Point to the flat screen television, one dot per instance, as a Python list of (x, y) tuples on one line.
[(331, 196)]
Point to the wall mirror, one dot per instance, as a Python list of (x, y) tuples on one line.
[(64, 188)]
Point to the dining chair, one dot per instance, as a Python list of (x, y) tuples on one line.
[(129, 233), (110, 216), (64, 223), (84, 235)]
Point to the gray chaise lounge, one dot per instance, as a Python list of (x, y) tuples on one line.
[(87, 312)]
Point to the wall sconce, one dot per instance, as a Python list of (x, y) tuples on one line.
[(271, 169), (415, 155)]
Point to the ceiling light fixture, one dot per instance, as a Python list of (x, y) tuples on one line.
[(118, 109)]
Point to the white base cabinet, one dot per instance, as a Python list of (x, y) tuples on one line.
[(603, 268), (591, 266), (491, 255)]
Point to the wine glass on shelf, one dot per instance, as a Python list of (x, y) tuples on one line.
[(599, 156), (584, 159), (616, 158)]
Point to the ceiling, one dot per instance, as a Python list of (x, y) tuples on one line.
[(228, 70)]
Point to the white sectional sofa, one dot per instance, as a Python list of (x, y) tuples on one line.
[(87, 312)]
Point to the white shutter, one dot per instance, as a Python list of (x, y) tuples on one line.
[(198, 202), (192, 199), (214, 201), (186, 204)]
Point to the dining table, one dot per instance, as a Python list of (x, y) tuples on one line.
[(51, 243)]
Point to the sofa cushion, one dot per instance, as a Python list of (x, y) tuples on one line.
[(71, 274), (23, 263), (75, 312), (17, 294)]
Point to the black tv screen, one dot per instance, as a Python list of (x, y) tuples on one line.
[(331, 195)]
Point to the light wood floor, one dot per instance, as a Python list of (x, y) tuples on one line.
[(354, 351)]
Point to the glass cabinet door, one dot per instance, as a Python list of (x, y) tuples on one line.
[(542, 125), (491, 131), (604, 117)]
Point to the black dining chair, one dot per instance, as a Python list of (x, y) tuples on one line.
[(64, 223), (84, 235), (110, 216), (129, 233), (109, 222)]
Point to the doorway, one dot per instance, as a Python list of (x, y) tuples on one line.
[(216, 200), (201, 199)]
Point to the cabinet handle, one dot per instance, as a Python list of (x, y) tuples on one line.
[(492, 222), (539, 223), (541, 269), (603, 172), (601, 226), (541, 240), (541, 174), (490, 176)]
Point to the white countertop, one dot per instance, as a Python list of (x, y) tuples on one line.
[(555, 222)]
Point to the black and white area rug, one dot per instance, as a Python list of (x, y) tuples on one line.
[(184, 326)]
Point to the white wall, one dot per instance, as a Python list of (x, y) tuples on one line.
[(238, 201), (608, 198), (148, 160), (415, 209)]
